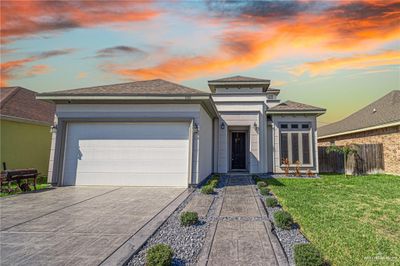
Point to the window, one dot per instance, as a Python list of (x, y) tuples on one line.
[(284, 147), (295, 143), (295, 147), (305, 138)]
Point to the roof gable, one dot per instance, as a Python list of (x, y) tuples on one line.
[(383, 111), (146, 87), (17, 102)]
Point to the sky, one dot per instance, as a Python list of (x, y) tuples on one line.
[(339, 55)]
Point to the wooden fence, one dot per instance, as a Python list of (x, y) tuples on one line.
[(367, 159)]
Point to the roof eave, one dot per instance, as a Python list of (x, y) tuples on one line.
[(213, 84), (297, 112), (397, 123)]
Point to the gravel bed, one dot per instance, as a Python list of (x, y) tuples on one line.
[(288, 238), (186, 242)]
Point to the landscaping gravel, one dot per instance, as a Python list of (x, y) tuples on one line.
[(186, 242), (288, 238)]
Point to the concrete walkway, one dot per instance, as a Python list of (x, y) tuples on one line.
[(241, 234)]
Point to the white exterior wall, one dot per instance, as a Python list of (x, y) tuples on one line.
[(276, 120), (242, 111), (141, 111), (205, 145)]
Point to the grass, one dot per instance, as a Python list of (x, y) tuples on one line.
[(41, 184), (352, 221)]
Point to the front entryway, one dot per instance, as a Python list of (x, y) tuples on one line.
[(238, 151)]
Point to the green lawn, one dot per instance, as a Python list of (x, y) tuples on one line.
[(41, 184), (353, 220)]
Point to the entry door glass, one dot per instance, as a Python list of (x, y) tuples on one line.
[(238, 150)]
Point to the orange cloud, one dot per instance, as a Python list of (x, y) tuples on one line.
[(37, 70), (25, 18), (252, 39), (353, 62), (7, 69)]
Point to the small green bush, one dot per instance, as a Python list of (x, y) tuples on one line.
[(261, 184), (283, 219), (159, 255), (307, 255), (189, 218), (264, 191), (207, 189), (271, 202), (214, 183)]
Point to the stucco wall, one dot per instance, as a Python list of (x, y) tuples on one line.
[(205, 145), (389, 137), (25, 145)]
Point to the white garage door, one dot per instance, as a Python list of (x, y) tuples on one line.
[(127, 154)]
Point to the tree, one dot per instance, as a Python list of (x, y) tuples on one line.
[(345, 150)]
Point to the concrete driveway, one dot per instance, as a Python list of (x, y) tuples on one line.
[(75, 225)]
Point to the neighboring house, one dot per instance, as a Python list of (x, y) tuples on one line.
[(158, 133), (378, 122), (25, 129)]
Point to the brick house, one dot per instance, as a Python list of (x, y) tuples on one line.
[(379, 122)]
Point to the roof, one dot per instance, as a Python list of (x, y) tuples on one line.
[(239, 79), (20, 103), (290, 106), (384, 111), (145, 87)]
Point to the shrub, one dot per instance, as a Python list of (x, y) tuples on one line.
[(189, 218), (307, 255), (261, 184), (159, 255), (271, 202), (207, 189), (214, 183), (264, 191), (283, 219)]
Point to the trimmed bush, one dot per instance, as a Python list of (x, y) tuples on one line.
[(307, 255), (159, 255), (261, 184), (283, 220), (264, 191), (271, 202), (189, 218), (207, 189), (214, 183)]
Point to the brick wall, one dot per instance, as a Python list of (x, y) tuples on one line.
[(389, 137)]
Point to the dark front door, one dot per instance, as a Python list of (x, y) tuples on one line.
[(238, 150)]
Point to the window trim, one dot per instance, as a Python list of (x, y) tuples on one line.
[(299, 132)]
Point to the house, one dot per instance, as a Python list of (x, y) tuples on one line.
[(25, 129), (378, 122), (158, 133)]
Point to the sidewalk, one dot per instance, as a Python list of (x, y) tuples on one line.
[(241, 234)]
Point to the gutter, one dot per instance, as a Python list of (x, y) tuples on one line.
[(24, 120), (123, 97), (360, 130), (318, 112)]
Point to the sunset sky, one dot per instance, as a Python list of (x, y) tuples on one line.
[(340, 55)]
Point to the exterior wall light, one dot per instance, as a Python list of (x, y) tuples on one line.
[(53, 129), (222, 125), (195, 128), (255, 126)]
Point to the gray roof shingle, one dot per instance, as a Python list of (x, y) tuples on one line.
[(239, 79), (383, 111), (295, 106), (22, 103), (145, 87)]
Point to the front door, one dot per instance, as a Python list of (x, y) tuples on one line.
[(238, 151)]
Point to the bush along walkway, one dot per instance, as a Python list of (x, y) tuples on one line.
[(297, 248), (181, 237), (240, 232)]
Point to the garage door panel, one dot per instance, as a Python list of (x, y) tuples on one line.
[(143, 179), (134, 154)]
